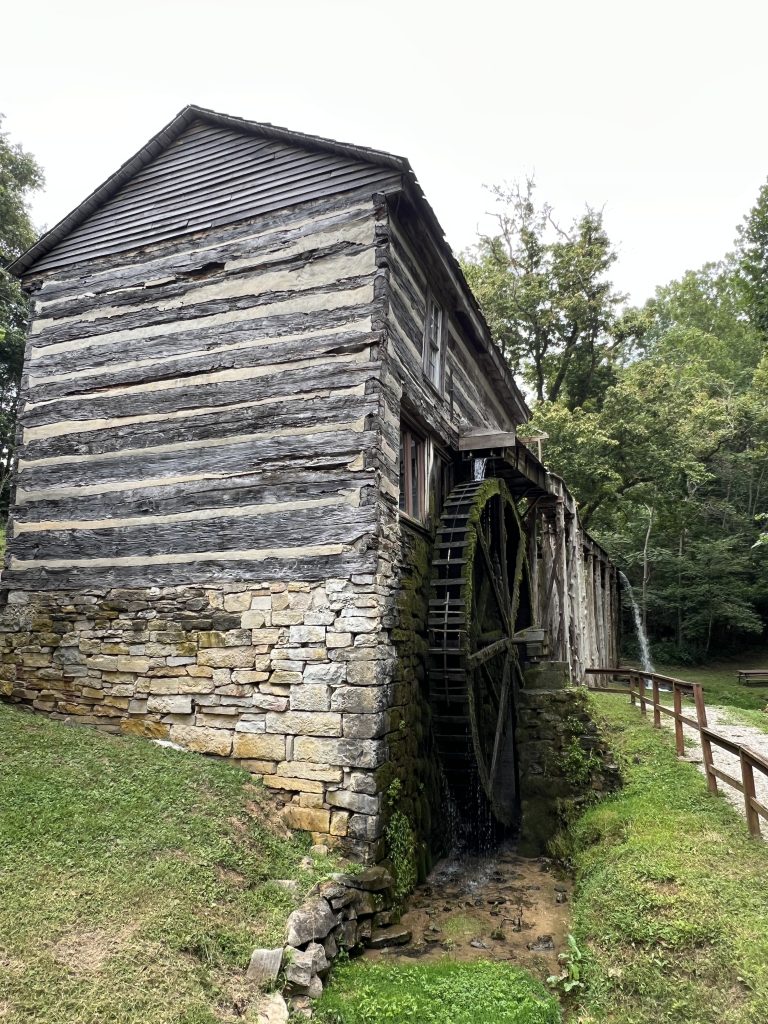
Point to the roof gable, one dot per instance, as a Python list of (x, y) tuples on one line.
[(205, 169)]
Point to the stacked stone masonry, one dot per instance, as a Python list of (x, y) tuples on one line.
[(289, 679)]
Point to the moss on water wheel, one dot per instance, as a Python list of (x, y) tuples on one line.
[(480, 597)]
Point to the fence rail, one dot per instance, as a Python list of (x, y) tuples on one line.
[(749, 760)]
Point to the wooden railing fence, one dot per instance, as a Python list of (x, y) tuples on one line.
[(750, 760)]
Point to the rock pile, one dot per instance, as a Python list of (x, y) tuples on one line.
[(346, 912)]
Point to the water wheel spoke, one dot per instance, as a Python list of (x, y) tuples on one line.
[(497, 585), (501, 724), (491, 651)]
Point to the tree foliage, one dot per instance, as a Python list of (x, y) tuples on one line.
[(546, 296), (19, 175), (657, 417)]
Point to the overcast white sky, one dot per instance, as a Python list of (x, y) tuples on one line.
[(655, 111)]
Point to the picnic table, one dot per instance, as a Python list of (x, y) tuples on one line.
[(752, 675)]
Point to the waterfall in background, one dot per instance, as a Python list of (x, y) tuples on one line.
[(478, 469), (642, 639)]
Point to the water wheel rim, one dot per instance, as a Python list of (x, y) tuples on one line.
[(474, 613)]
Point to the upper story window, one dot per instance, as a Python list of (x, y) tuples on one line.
[(433, 341)]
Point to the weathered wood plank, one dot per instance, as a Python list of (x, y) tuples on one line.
[(269, 486), (181, 394), (216, 571), (295, 527), (340, 407), (228, 457), (250, 354)]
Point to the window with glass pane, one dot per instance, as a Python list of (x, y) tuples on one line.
[(432, 340)]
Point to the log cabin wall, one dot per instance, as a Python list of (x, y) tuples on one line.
[(192, 553)]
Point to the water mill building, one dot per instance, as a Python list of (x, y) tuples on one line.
[(271, 501)]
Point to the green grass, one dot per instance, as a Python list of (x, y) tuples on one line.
[(720, 682), (671, 904), (134, 880), (445, 992)]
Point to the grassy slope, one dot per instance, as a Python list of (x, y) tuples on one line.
[(134, 880), (672, 901), (445, 992)]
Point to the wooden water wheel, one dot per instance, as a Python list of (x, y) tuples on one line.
[(479, 602)]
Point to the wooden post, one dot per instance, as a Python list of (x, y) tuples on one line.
[(656, 712), (641, 686), (706, 746), (632, 695), (679, 738), (748, 781)]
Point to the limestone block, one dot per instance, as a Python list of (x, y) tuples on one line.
[(170, 705), (306, 634), (365, 826), (319, 618), (359, 802), (358, 624), (360, 782), (306, 770), (329, 672), (256, 726), (103, 662), (349, 753), (143, 727), (219, 720), (361, 727), (360, 700), (255, 619), (39, 660), (287, 618), (280, 678), (203, 741), (307, 819), (304, 653), (338, 639), (266, 748), (237, 602), (265, 636), (261, 601), (268, 702), (265, 964), (271, 1008), (339, 821), (175, 685), (309, 697), (305, 723), (367, 673), (295, 785), (126, 663), (227, 657), (280, 600)]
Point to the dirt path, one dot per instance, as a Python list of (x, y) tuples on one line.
[(720, 719), (501, 907)]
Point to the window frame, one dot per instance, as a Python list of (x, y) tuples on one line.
[(432, 302), (410, 436)]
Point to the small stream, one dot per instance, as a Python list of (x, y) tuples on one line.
[(498, 907)]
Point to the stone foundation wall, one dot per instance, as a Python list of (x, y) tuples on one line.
[(563, 760), (289, 679)]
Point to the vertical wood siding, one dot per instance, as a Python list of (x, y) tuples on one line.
[(210, 176)]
